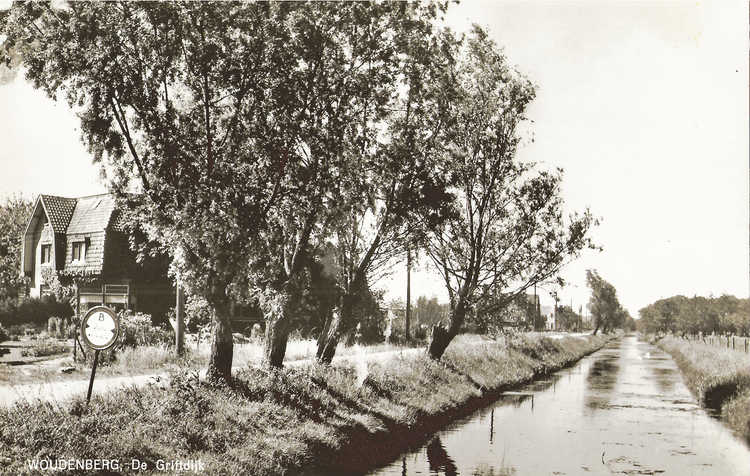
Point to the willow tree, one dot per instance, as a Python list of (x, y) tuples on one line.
[(508, 232), (352, 59), (604, 306), (235, 121), (398, 185)]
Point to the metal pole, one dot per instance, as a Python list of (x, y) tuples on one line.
[(93, 373)]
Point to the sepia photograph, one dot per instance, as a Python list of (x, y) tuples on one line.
[(387, 238)]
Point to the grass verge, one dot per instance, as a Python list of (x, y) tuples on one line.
[(341, 419), (718, 377)]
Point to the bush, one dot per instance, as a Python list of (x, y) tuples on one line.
[(198, 313), (3, 334), (33, 311), (43, 348), (136, 330)]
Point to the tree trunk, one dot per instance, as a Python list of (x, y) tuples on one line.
[(329, 339), (441, 337), (596, 329), (278, 318), (220, 362), (337, 325), (277, 335), (439, 341)]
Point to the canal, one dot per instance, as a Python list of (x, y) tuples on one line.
[(621, 410)]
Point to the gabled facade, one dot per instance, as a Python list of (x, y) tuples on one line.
[(82, 238)]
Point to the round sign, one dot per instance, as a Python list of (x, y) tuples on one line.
[(100, 327)]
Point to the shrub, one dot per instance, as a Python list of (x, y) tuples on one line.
[(43, 348), (198, 313), (3, 334), (33, 311), (136, 330)]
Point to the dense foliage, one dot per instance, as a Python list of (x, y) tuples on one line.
[(708, 315), (603, 304), (568, 319), (253, 130), (14, 215), (34, 311)]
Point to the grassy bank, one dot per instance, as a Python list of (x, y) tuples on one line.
[(341, 419), (718, 377)]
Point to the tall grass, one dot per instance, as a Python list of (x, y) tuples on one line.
[(719, 378), (161, 357), (342, 419)]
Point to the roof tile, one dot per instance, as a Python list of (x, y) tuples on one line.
[(59, 211)]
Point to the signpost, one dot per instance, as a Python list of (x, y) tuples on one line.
[(100, 328)]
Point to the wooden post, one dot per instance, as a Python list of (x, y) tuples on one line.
[(180, 318)]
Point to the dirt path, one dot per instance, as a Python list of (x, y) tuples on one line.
[(59, 390)]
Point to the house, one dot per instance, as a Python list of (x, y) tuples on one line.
[(548, 312), (83, 240)]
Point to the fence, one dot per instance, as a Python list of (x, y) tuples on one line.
[(738, 343)]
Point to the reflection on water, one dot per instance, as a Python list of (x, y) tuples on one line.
[(438, 459), (602, 377), (622, 410)]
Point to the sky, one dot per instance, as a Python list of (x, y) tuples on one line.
[(643, 104)]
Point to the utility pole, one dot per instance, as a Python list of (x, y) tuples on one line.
[(537, 310), (179, 309), (408, 291)]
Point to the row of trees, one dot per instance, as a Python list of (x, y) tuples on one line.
[(708, 315), (273, 141)]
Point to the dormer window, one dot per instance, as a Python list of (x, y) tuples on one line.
[(46, 254), (79, 251)]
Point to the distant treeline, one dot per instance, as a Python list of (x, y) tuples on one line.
[(682, 315)]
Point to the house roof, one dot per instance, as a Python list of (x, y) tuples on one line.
[(91, 214), (59, 211), (79, 215)]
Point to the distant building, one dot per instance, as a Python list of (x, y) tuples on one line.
[(549, 317), (83, 239)]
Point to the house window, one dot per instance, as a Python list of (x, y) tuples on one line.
[(79, 251), (46, 254)]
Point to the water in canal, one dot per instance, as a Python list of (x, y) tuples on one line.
[(622, 410)]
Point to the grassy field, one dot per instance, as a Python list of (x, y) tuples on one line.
[(148, 359), (341, 419), (719, 378)]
